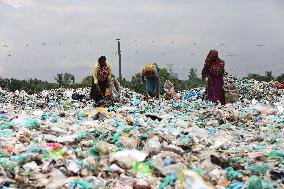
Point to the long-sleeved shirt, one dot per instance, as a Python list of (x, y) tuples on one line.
[(153, 73), (95, 74), (214, 69)]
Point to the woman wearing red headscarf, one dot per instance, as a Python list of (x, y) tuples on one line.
[(214, 70)]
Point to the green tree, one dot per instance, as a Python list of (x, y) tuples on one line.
[(30, 85), (87, 81), (193, 80), (269, 76), (255, 76), (59, 79), (68, 79), (126, 83), (65, 79), (280, 78), (192, 74), (137, 85), (164, 75)]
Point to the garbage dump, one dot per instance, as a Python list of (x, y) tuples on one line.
[(58, 139)]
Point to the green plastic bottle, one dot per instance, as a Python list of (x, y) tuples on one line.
[(254, 182)]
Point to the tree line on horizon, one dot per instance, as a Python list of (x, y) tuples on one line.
[(67, 80)]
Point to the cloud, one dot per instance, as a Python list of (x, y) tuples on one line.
[(240, 25), (19, 3), (2, 70)]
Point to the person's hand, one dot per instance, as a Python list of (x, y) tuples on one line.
[(108, 84)]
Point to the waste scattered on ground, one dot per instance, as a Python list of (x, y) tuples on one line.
[(55, 139)]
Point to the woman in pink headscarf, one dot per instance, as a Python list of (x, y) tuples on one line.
[(214, 70)]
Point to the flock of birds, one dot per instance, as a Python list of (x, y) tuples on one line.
[(60, 43), (44, 44)]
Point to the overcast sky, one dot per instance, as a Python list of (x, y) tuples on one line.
[(40, 38)]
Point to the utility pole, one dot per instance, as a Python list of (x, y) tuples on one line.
[(119, 59)]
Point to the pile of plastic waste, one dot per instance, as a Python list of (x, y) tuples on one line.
[(58, 139), (252, 89)]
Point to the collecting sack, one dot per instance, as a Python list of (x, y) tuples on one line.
[(115, 90), (231, 93)]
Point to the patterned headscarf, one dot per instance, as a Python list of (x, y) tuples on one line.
[(214, 66)]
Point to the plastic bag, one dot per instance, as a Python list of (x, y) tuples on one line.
[(191, 180), (153, 145), (143, 169), (279, 86), (114, 93), (170, 179), (32, 123), (6, 133), (127, 157), (255, 183), (169, 89), (231, 93), (191, 95), (116, 85), (20, 159), (79, 183)]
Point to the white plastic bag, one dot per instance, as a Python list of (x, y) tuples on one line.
[(127, 157), (114, 90), (169, 89), (153, 145)]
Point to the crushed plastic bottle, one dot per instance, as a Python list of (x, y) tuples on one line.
[(32, 123), (58, 139), (191, 180), (142, 169)]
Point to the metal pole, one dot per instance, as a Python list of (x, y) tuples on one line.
[(119, 59)]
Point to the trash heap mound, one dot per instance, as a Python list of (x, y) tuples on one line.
[(252, 89), (239, 90), (49, 140)]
